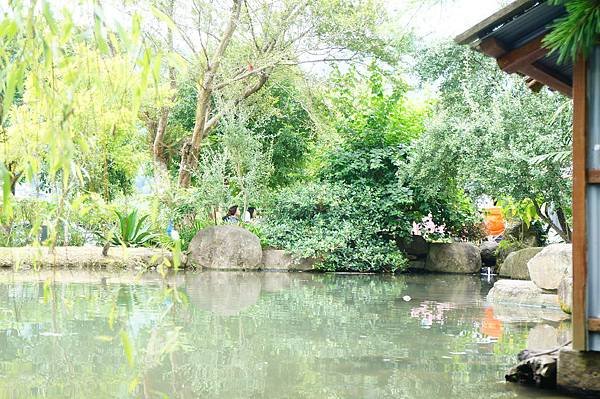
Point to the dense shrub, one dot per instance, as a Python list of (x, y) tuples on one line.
[(344, 228)]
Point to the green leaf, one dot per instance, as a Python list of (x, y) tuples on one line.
[(127, 347), (49, 17), (163, 17), (136, 23), (6, 176), (13, 80), (98, 35)]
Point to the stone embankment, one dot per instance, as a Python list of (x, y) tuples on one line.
[(551, 278), (218, 247), (81, 257)]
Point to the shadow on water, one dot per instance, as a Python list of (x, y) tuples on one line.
[(263, 335)]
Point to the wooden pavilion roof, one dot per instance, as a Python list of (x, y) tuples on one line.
[(513, 36)]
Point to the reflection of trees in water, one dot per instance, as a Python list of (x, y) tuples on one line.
[(240, 335)]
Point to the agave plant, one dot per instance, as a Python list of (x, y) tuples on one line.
[(132, 231)]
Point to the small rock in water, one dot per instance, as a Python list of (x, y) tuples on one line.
[(406, 298)]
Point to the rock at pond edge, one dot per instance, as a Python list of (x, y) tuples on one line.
[(225, 247), (457, 257), (488, 252), (548, 267), (522, 293), (278, 259), (515, 264)]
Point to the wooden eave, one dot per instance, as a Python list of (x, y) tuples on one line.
[(528, 59), (524, 61)]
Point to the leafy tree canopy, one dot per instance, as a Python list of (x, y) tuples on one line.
[(491, 135)]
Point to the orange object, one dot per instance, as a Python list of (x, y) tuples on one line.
[(491, 326), (494, 221)]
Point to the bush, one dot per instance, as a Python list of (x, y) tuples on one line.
[(131, 231), (74, 224), (346, 229)]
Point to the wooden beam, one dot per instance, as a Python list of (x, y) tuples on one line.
[(579, 311), (520, 57), (494, 20), (554, 82), (492, 47), (534, 85), (593, 176), (594, 325)]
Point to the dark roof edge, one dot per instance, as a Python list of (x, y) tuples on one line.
[(499, 17)]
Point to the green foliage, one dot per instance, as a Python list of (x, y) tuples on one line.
[(80, 101), (258, 230), (490, 133), (359, 27), (249, 164), (372, 112), (523, 210), (355, 214), (187, 230), (344, 228), (577, 31), (131, 231), (281, 115), (81, 216)]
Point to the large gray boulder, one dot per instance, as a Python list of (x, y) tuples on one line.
[(457, 257), (415, 246), (522, 293), (515, 264), (278, 259), (225, 247), (548, 267)]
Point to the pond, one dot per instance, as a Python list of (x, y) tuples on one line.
[(259, 335)]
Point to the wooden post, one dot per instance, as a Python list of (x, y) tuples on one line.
[(579, 310)]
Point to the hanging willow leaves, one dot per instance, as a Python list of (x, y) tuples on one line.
[(67, 101), (5, 176)]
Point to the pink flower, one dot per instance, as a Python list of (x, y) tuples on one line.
[(416, 231)]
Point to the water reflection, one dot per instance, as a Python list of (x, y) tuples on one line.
[(491, 326), (223, 293), (262, 335), (430, 312)]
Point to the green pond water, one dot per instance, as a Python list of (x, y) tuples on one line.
[(261, 335)]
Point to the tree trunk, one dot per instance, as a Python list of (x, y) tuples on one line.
[(564, 234), (564, 225), (158, 146), (14, 176), (190, 150)]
